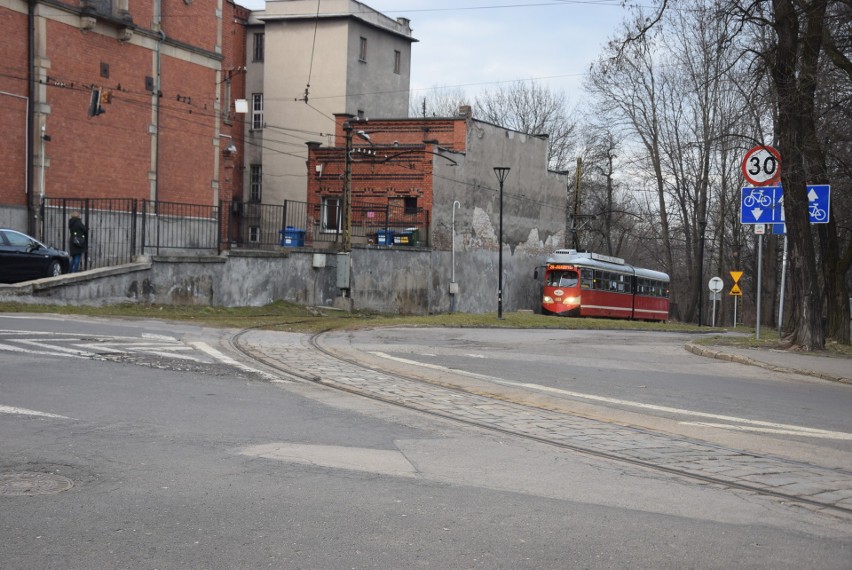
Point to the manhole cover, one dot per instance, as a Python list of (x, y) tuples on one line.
[(29, 483)]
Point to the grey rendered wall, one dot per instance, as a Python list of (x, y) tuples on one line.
[(397, 281), (257, 279), (14, 218), (534, 202)]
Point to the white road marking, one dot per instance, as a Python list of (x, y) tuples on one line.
[(25, 412), (159, 337), (56, 348), (9, 348), (165, 354), (740, 424), (88, 346), (225, 359), (804, 432)]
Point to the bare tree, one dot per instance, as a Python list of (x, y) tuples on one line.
[(805, 42), (795, 40), (530, 108), (628, 89), (438, 102)]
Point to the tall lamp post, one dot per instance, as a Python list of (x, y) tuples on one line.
[(501, 172)]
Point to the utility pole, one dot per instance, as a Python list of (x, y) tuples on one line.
[(578, 177), (347, 190)]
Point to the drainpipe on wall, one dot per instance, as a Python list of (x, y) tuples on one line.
[(158, 27), (158, 90), (31, 210), (454, 287)]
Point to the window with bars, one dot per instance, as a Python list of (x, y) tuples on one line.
[(257, 51), (256, 183), (362, 53), (257, 111)]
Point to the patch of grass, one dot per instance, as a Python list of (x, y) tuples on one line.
[(297, 318), (769, 339)]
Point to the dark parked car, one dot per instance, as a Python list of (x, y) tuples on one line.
[(23, 258)]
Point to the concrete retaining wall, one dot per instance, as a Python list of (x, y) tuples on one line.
[(383, 280)]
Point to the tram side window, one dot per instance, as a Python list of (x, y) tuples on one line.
[(587, 278), (652, 288)]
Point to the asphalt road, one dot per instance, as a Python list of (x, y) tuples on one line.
[(634, 372), (181, 457)]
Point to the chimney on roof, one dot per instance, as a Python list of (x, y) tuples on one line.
[(465, 111)]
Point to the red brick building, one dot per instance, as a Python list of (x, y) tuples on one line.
[(391, 165), (167, 71)]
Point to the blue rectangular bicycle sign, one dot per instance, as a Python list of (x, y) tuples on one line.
[(819, 202), (762, 205), (765, 205)]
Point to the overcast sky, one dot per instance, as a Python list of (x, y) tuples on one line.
[(480, 44)]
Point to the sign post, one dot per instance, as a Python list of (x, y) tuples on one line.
[(736, 292), (715, 286), (763, 204)]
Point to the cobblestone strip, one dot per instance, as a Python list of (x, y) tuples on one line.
[(767, 474)]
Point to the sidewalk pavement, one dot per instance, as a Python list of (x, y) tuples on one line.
[(835, 368)]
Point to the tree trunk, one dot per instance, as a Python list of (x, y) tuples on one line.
[(795, 108)]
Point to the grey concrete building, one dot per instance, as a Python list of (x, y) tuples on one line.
[(306, 61)]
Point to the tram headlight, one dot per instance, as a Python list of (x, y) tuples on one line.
[(571, 300), (547, 299)]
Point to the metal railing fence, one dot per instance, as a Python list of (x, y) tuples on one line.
[(121, 228)]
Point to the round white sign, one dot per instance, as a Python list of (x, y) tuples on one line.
[(715, 284)]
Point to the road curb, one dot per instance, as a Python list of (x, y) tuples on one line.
[(740, 359)]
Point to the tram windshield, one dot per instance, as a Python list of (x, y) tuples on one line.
[(561, 279)]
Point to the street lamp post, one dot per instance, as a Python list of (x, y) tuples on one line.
[(501, 172)]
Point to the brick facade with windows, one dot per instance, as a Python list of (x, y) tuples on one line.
[(393, 168), (121, 152)]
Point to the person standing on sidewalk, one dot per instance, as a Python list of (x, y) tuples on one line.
[(78, 242)]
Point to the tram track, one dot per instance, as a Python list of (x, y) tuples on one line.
[(823, 488)]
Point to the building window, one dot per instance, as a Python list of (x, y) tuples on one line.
[(254, 234), (331, 214), (397, 61), (256, 183), (226, 103), (362, 54), (257, 111), (410, 204), (257, 52)]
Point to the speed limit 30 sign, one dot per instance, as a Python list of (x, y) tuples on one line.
[(762, 166)]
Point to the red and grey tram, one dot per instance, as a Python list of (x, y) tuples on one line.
[(582, 284)]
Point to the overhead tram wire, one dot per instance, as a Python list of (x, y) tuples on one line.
[(313, 51), (179, 112)]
